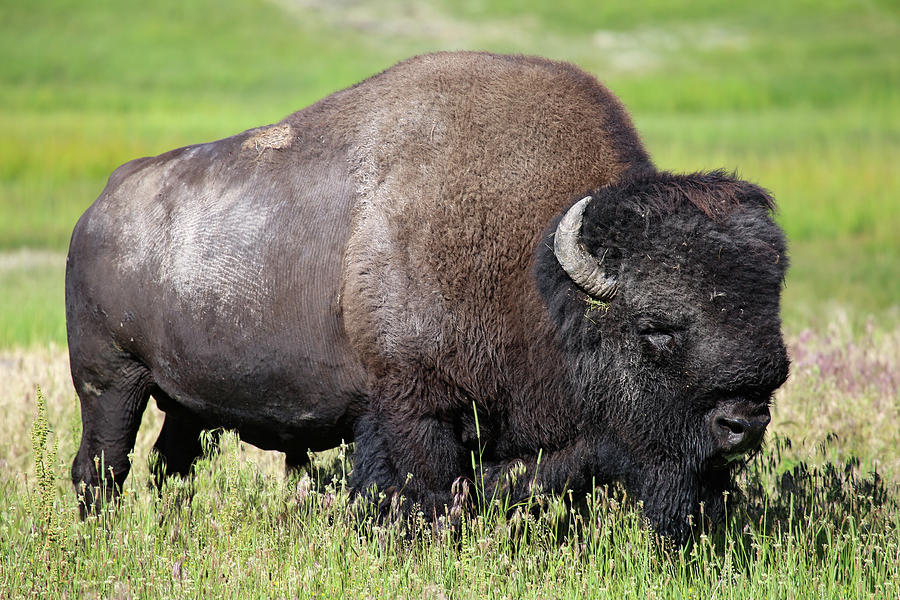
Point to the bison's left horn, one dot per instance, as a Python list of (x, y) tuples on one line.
[(573, 257)]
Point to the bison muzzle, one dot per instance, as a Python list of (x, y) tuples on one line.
[(462, 234)]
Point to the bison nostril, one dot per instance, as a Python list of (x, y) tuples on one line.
[(734, 427), (736, 432)]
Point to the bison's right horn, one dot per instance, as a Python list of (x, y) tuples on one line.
[(573, 257)]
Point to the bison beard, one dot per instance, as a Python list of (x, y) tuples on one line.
[(382, 264)]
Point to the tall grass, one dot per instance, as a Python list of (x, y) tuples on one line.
[(805, 532)]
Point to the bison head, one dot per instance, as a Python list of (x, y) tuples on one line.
[(665, 291)]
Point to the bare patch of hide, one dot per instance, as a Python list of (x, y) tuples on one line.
[(275, 137)]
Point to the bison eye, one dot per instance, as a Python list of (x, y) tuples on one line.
[(662, 341)]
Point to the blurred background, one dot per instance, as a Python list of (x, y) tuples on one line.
[(801, 97)]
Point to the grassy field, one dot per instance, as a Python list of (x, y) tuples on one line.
[(802, 97)]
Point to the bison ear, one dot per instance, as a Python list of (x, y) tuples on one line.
[(584, 269)]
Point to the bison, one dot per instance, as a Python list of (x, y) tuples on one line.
[(464, 235)]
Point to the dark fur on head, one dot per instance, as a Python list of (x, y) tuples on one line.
[(715, 193), (695, 324)]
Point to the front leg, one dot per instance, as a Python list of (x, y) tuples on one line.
[(404, 446), (576, 467)]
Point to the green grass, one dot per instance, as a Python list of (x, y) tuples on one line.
[(31, 303), (271, 539)]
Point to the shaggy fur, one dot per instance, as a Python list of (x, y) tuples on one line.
[(383, 270), (694, 327)]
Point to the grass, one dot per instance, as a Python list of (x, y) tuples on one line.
[(32, 303), (801, 97), (274, 539)]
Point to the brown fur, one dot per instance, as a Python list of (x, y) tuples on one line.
[(461, 161), (451, 204)]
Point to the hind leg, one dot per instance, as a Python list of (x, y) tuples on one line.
[(178, 447), (113, 396)]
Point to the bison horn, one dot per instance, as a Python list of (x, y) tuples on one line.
[(573, 257)]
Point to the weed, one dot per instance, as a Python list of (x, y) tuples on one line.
[(595, 305), (42, 496)]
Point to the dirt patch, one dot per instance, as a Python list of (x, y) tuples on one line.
[(26, 259), (419, 21), (275, 137)]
